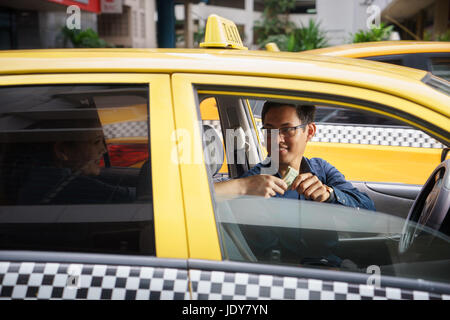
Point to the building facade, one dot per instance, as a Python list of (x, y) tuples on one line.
[(419, 19), (339, 19), (134, 27), (27, 24), (34, 24)]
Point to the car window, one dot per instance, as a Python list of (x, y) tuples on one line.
[(317, 235), (398, 62), (441, 67), (344, 116), (75, 172)]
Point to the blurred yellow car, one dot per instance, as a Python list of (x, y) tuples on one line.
[(432, 56)]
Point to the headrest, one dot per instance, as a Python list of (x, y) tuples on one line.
[(213, 149)]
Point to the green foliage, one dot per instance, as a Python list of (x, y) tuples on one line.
[(380, 33), (84, 38), (444, 36), (428, 36), (276, 27), (307, 37), (275, 20), (304, 38), (199, 36)]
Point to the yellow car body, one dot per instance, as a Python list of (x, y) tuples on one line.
[(383, 48), (178, 80), (171, 74)]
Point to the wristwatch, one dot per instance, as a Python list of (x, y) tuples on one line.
[(331, 191)]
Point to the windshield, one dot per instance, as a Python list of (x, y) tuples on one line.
[(309, 234)]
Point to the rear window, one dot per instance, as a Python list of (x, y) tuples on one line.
[(74, 169), (441, 68), (343, 116), (395, 59), (397, 62)]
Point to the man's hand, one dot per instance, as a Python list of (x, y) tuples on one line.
[(309, 185), (263, 185)]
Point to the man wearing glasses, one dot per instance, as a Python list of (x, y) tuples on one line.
[(317, 180)]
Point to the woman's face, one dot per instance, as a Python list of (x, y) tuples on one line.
[(85, 155)]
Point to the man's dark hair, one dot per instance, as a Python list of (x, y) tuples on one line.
[(304, 112)]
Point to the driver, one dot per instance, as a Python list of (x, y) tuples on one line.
[(318, 180)]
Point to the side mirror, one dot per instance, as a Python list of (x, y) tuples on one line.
[(444, 154)]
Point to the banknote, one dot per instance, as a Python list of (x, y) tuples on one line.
[(290, 176)]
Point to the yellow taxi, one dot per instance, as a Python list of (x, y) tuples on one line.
[(153, 227), (432, 56)]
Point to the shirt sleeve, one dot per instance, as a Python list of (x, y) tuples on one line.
[(345, 193), (252, 172)]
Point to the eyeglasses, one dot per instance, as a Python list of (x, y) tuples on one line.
[(285, 132)]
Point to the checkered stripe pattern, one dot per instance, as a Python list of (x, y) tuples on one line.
[(29, 280), (400, 137), (217, 285), (126, 129)]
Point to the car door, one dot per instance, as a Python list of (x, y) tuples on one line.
[(224, 262), (72, 228)]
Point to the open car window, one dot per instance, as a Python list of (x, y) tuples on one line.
[(317, 235), (376, 141), (440, 67)]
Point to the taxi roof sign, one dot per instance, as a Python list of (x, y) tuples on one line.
[(221, 33)]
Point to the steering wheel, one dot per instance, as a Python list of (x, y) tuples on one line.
[(430, 207)]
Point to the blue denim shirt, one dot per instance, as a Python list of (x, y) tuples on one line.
[(344, 192), (308, 247)]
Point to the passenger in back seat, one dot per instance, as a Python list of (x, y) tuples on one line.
[(64, 171)]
